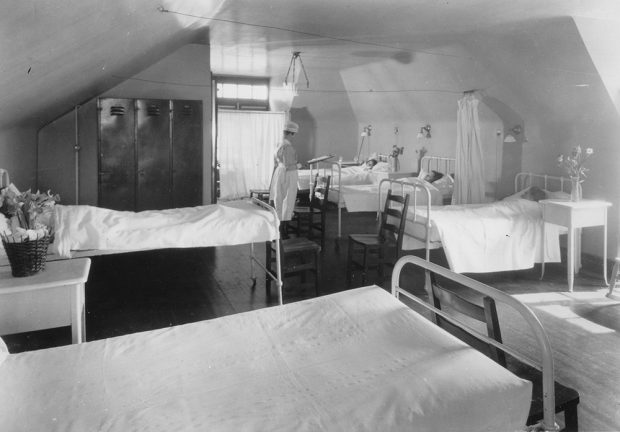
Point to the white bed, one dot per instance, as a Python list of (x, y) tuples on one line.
[(480, 238), (356, 360), (84, 231), (89, 231), (82, 227)]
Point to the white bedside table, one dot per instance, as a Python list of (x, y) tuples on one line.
[(575, 215), (51, 298)]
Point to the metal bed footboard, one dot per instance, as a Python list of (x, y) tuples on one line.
[(277, 277), (545, 364)]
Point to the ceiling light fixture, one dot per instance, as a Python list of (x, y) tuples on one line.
[(296, 56)]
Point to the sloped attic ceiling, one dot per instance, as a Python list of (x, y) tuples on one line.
[(58, 53)]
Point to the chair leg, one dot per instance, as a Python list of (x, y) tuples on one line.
[(365, 264), (349, 263), (571, 422), (380, 259), (317, 271)]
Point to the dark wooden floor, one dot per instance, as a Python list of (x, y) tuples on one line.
[(140, 291)]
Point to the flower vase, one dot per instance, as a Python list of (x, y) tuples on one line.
[(395, 165), (575, 190)]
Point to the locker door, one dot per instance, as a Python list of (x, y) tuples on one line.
[(153, 150), (186, 153), (117, 171)]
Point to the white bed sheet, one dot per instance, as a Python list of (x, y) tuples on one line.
[(357, 360), (480, 238), (351, 175), (363, 198), (94, 228)]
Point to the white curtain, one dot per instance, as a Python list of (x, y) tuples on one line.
[(469, 184), (246, 143)]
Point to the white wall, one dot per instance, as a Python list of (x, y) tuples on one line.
[(327, 123), (416, 91), (18, 155)]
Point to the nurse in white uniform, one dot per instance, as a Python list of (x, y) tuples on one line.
[(284, 183)]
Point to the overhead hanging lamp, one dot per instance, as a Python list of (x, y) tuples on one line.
[(296, 56)]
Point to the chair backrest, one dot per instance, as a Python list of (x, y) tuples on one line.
[(320, 193), (393, 218), (486, 313)]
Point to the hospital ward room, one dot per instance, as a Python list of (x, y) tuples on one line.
[(274, 215)]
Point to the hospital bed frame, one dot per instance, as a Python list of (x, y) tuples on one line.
[(545, 364), (275, 276)]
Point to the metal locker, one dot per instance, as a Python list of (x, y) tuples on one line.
[(117, 171), (186, 153), (153, 154)]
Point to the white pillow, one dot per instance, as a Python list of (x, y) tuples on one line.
[(518, 195), (4, 351), (536, 195)]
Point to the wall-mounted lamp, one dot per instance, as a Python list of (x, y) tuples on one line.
[(367, 131), (425, 131), (510, 137)]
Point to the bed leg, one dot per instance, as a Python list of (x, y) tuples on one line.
[(268, 267)]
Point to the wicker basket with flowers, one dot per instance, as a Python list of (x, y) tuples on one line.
[(26, 228)]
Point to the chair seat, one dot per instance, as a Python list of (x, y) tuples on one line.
[(261, 194), (299, 244), (299, 255), (303, 209), (370, 240), (566, 398)]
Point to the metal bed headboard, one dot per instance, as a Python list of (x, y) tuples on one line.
[(545, 363), (444, 165), (544, 181)]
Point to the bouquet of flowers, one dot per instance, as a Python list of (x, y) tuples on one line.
[(396, 151), (574, 163), (29, 216)]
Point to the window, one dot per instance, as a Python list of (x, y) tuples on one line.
[(242, 93)]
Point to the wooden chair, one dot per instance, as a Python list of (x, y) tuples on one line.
[(308, 219), (261, 194), (298, 256), (566, 398), (375, 246)]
